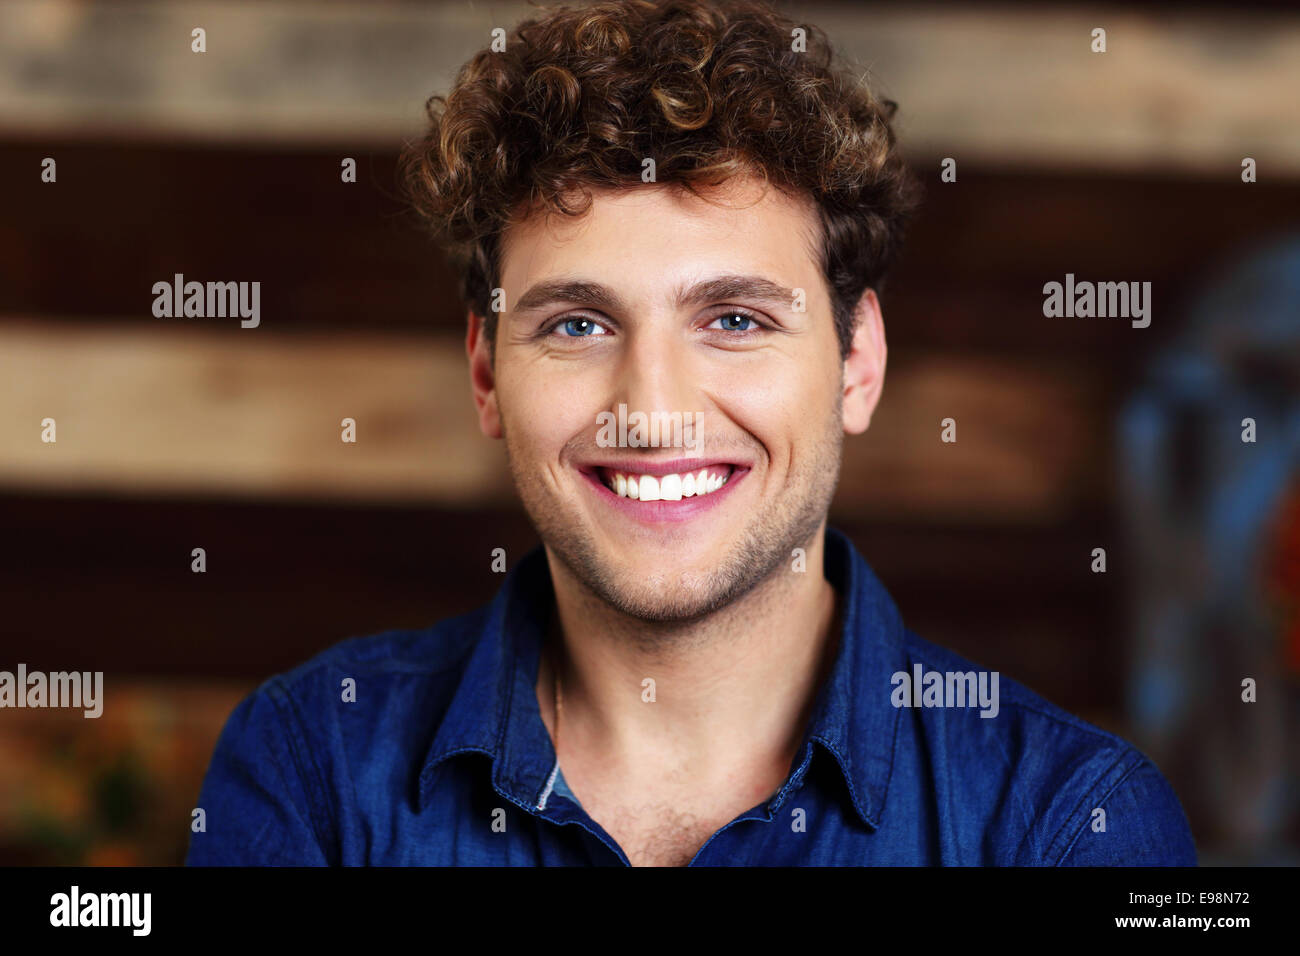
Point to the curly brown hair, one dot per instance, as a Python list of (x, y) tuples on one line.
[(710, 90)]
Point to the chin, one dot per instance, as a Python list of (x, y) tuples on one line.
[(675, 602), (680, 595)]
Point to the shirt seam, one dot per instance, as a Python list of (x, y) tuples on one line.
[(313, 784), (1085, 798), (1026, 812), (502, 755)]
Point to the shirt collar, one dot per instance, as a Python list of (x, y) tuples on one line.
[(854, 718), (494, 708)]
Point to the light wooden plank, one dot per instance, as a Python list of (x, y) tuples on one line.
[(1181, 92), (1176, 92), (141, 410), (147, 410)]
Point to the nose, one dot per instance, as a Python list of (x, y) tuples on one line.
[(656, 374)]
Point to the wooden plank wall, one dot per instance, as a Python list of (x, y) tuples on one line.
[(177, 433), (184, 433)]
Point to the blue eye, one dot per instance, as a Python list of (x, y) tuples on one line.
[(579, 326), (735, 322)]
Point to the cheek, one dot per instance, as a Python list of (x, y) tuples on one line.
[(540, 415), (779, 402)]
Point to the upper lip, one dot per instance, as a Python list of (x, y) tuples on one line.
[(672, 466)]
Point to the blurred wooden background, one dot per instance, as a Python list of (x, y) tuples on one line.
[(183, 433)]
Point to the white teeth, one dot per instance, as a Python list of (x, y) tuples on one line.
[(667, 487)]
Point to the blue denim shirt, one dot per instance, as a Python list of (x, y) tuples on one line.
[(442, 758)]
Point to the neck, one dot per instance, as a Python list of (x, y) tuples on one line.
[(731, 693)]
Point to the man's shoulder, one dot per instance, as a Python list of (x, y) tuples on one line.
[(1021, 706), (438, 650), (398, 678), (1080, 794), (282, 784)]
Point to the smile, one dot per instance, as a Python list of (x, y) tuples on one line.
[(664, 491), (670, 487)]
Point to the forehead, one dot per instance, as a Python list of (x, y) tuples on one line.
[(646, 235)]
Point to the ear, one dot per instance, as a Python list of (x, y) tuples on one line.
[(482, 377), (864, 366)]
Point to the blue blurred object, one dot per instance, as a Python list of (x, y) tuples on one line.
[(1202, 504)]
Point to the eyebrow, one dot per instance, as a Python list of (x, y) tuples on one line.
[(594, 295)]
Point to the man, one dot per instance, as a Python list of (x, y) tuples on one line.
[(674, 212)]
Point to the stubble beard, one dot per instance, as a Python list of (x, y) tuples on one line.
[(670, 597)]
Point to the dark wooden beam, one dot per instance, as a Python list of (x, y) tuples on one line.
[(105, 584)]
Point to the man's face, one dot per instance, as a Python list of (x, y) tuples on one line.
[(761, 365)]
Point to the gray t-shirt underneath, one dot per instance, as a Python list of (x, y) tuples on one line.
[(562, 788)]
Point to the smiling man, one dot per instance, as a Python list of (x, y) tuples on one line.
[(682, 209)]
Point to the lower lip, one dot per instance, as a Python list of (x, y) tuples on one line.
[(663, 512)]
